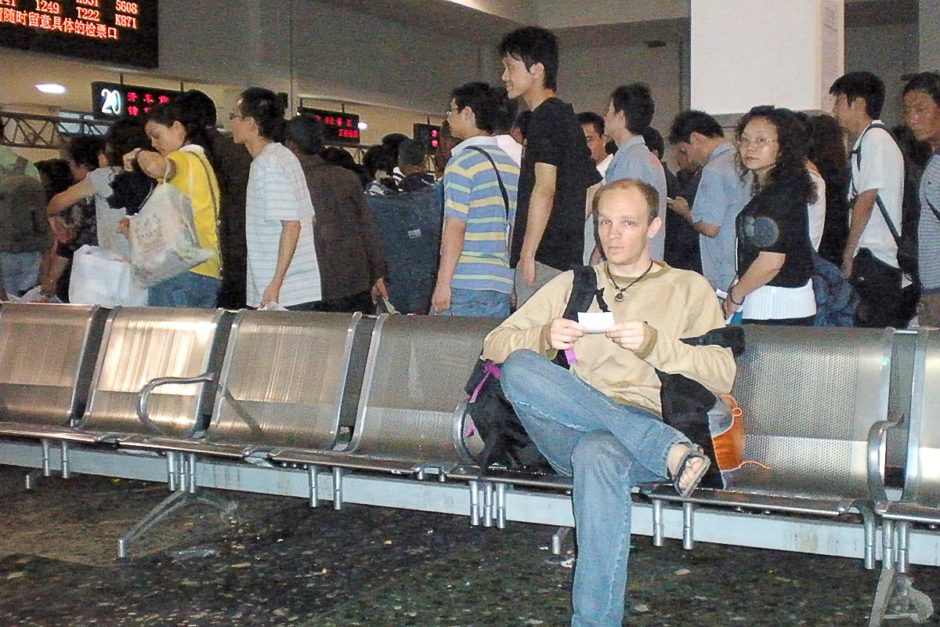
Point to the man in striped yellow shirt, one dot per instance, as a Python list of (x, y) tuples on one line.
[(480, 188)]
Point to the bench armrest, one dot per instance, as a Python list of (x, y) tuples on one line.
[(143, 398), (459, 423), (877, 444)]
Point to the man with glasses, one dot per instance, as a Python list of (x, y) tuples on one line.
[(720, 196), (282, 259), (480, 188)]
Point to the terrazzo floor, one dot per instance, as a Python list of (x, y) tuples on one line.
[(283, 563)]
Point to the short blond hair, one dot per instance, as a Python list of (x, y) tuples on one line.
[(648, 191)]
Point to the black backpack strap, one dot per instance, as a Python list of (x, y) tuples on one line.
[(729, 337), (858, 164), (499, 179), (583, 291)]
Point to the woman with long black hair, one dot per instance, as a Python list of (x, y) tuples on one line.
[(774, 257)]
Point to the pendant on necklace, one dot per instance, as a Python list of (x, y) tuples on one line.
[(619, 297)]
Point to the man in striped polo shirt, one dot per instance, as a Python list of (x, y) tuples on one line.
[(480, 187)]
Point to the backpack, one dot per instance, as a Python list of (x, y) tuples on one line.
[(409, 226), (712, 423), (23, 223), (906, 240)]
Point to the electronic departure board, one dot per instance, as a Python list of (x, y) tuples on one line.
[(113, 31), (338, 126), (114, 100)]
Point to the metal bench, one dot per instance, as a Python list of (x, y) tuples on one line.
[(47, 355), (155, 373), (409, 414), (810, 397), (281, 385), (895, 596)]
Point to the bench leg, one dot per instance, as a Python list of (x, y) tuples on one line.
[(688, 535), (64, 453), (166, 507), (558, 539), (313, 476), (337, 489), (181, 473), (871, 530), (903, 534), (658, 533), (501, 506), (474, 503), (888, 556), (896, 599), (488, 508)]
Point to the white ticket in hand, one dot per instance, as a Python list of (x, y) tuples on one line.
[(596, 322)]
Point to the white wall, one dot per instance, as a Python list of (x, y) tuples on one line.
[(746, 53), (888, 51)]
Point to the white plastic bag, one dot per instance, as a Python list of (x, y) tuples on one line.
[(163, 237), (101, 277)]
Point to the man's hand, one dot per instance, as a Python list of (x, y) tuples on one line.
[(848, 263), (526, 269), (271, 294), (563, 333), (631, 334), (681, 206), (124, 227), (440, 299), (379, 290)]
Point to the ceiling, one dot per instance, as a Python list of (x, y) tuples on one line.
[(451, 18)]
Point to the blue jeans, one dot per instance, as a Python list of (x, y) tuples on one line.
[(609, 448), (20, 271), (483, 303), (186, 290)]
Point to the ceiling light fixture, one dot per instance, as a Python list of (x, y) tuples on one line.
[(363, 126), (51, 88)]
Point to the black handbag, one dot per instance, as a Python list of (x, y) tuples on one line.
[(871, 275)]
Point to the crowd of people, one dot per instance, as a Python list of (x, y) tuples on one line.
[(794, 220)]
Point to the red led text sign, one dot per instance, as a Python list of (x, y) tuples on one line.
[(117, 31)]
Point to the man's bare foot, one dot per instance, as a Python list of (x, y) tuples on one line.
[(687, 465)]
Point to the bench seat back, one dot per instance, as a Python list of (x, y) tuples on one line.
[(810, 396), (283, 379), (47, 355), (146, 343), (415, 377)]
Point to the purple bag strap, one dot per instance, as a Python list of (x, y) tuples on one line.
[(490, 370)]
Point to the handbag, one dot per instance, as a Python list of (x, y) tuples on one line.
[(101, 277), (870, 274), (163, 237)]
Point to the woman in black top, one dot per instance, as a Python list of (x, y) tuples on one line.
[(775, 265)]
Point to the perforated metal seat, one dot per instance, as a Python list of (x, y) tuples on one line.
[(281, 386), (47, 355), (139, 347), (411, 404), (810, 396)]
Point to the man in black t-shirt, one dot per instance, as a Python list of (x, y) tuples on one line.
[(548, 236)]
